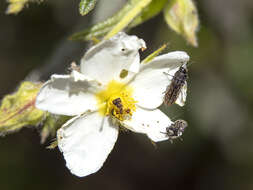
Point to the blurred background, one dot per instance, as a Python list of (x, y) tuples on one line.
[(216, 151)]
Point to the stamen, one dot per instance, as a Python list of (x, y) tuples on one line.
[(121, 106), (116, 100)]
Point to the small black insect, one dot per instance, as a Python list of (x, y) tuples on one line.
[(117, 102), (176, 129), (177, 82)]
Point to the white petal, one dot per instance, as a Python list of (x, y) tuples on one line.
[(182, 96), (86, 142), (149, 87), (151, 122), (68, 94), (151, 82), (171, 60), (105, 61)]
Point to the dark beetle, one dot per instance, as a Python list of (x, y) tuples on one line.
[(176, 129), (177, 82)]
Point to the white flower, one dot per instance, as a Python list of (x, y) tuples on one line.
[(111, 88)]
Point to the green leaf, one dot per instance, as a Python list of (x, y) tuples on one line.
[(153, 9), (51, 124), (15, 6), (136, 9), (101, 28), (18, 110), (86, 6), (182, 17), (145, 9)]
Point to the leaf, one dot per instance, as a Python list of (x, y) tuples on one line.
[(128, 17), (101, 28), (154, 54), (182, 17), (15, 6), (18, 110), (104, 27), (51, 124), (153, 9), (86, 6)]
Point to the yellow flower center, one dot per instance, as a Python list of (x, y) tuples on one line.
[(116, 100)]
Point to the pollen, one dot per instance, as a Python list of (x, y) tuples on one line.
[(116, 100)]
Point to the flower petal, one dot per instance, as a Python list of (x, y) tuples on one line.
[(86, 142), (151, 122), (171, 60), (105, 61), (151, 82), (68, 94)]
